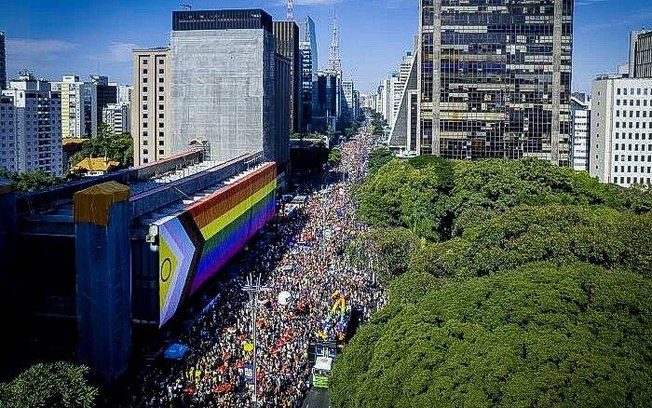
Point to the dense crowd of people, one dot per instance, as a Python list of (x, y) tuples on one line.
[(309, 292)]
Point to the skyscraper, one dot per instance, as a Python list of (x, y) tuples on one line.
[(222, 85), (494, 80), (286, 35), (309, 67), (3, 62)]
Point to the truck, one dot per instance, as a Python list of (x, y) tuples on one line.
[(322, 354), (321, 372)]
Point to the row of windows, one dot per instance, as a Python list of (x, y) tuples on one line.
[(633, 91), (160, 61), (160, 89), (632, 113), (160, 71), (636, 147), (160, 142), (631, 102), (630, 180), (623, 125), (160, 98), (629, 136), (636, 157), (160, 116), (146, 152), (160, 107)]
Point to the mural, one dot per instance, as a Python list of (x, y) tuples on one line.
[(196, 244)]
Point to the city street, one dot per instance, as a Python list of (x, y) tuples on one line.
[(308, 292)]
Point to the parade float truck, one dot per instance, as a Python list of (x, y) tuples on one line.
[(321, 372)]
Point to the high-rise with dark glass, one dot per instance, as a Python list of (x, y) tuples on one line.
[(494, 78)]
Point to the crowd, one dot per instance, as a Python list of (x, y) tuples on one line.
[(303, 258)]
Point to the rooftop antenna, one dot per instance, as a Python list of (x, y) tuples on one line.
[(335, 60), (290, 8), (186, 6)]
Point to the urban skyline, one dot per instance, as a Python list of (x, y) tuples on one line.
[(95, 46)]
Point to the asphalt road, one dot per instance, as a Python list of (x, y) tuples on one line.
[(316, 398)]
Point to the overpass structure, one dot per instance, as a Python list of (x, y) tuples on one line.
[(93, 258)]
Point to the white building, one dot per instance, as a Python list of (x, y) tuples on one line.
[(124, 94), (621, 130), (8, 159), (117, 117), (38, 125), (581, 125)]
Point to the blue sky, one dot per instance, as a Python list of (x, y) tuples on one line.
[(84, 37)]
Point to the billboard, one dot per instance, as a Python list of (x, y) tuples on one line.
[(195, 244)]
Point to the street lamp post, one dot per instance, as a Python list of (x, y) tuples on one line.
[(253, 288)]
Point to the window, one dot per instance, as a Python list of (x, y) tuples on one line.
[(144, 89), (145, 151), (161, 152), (161, 98), (161, 80), (161, 143), (160, 89), (145, 61), (160, 71), (144, 71)]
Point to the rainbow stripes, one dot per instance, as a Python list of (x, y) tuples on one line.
[(197, 243)]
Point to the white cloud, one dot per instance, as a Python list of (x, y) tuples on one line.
[(21, 49), (120, 52)]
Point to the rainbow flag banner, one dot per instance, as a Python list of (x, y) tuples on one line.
[(195, 244)]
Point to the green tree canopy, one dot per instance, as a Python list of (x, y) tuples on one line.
[(538, 336), (107, 144), (55, 385)]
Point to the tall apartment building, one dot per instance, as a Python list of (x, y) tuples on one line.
[(621, 130), (117, 116), (38, 125), (75, 114), (286, 35), (309, 68), (356, 104), (223, 82), (580, 130), (3, 62), (494, 79), (8, 142), (640, 54), (150, 107)]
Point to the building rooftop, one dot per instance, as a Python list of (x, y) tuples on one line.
[(96, 164)]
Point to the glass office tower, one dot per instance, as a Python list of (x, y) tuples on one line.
[(494, 78)]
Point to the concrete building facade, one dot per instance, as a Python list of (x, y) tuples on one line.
[(38, 125), (348, 89), (150, 107), (222, 85), (8, 143), (621, 130), (75, 114), (286, 36), (117, 116), (494, 81), (581, 127)]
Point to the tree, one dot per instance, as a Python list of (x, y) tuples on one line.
[(32, 181), (107, 144), (55, 385), (541, 335), (378, 158), (334, 156)]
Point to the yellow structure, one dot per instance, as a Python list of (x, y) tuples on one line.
[(95, 166)]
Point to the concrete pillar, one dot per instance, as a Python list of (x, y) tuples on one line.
[(103, 263), (8, 286)]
